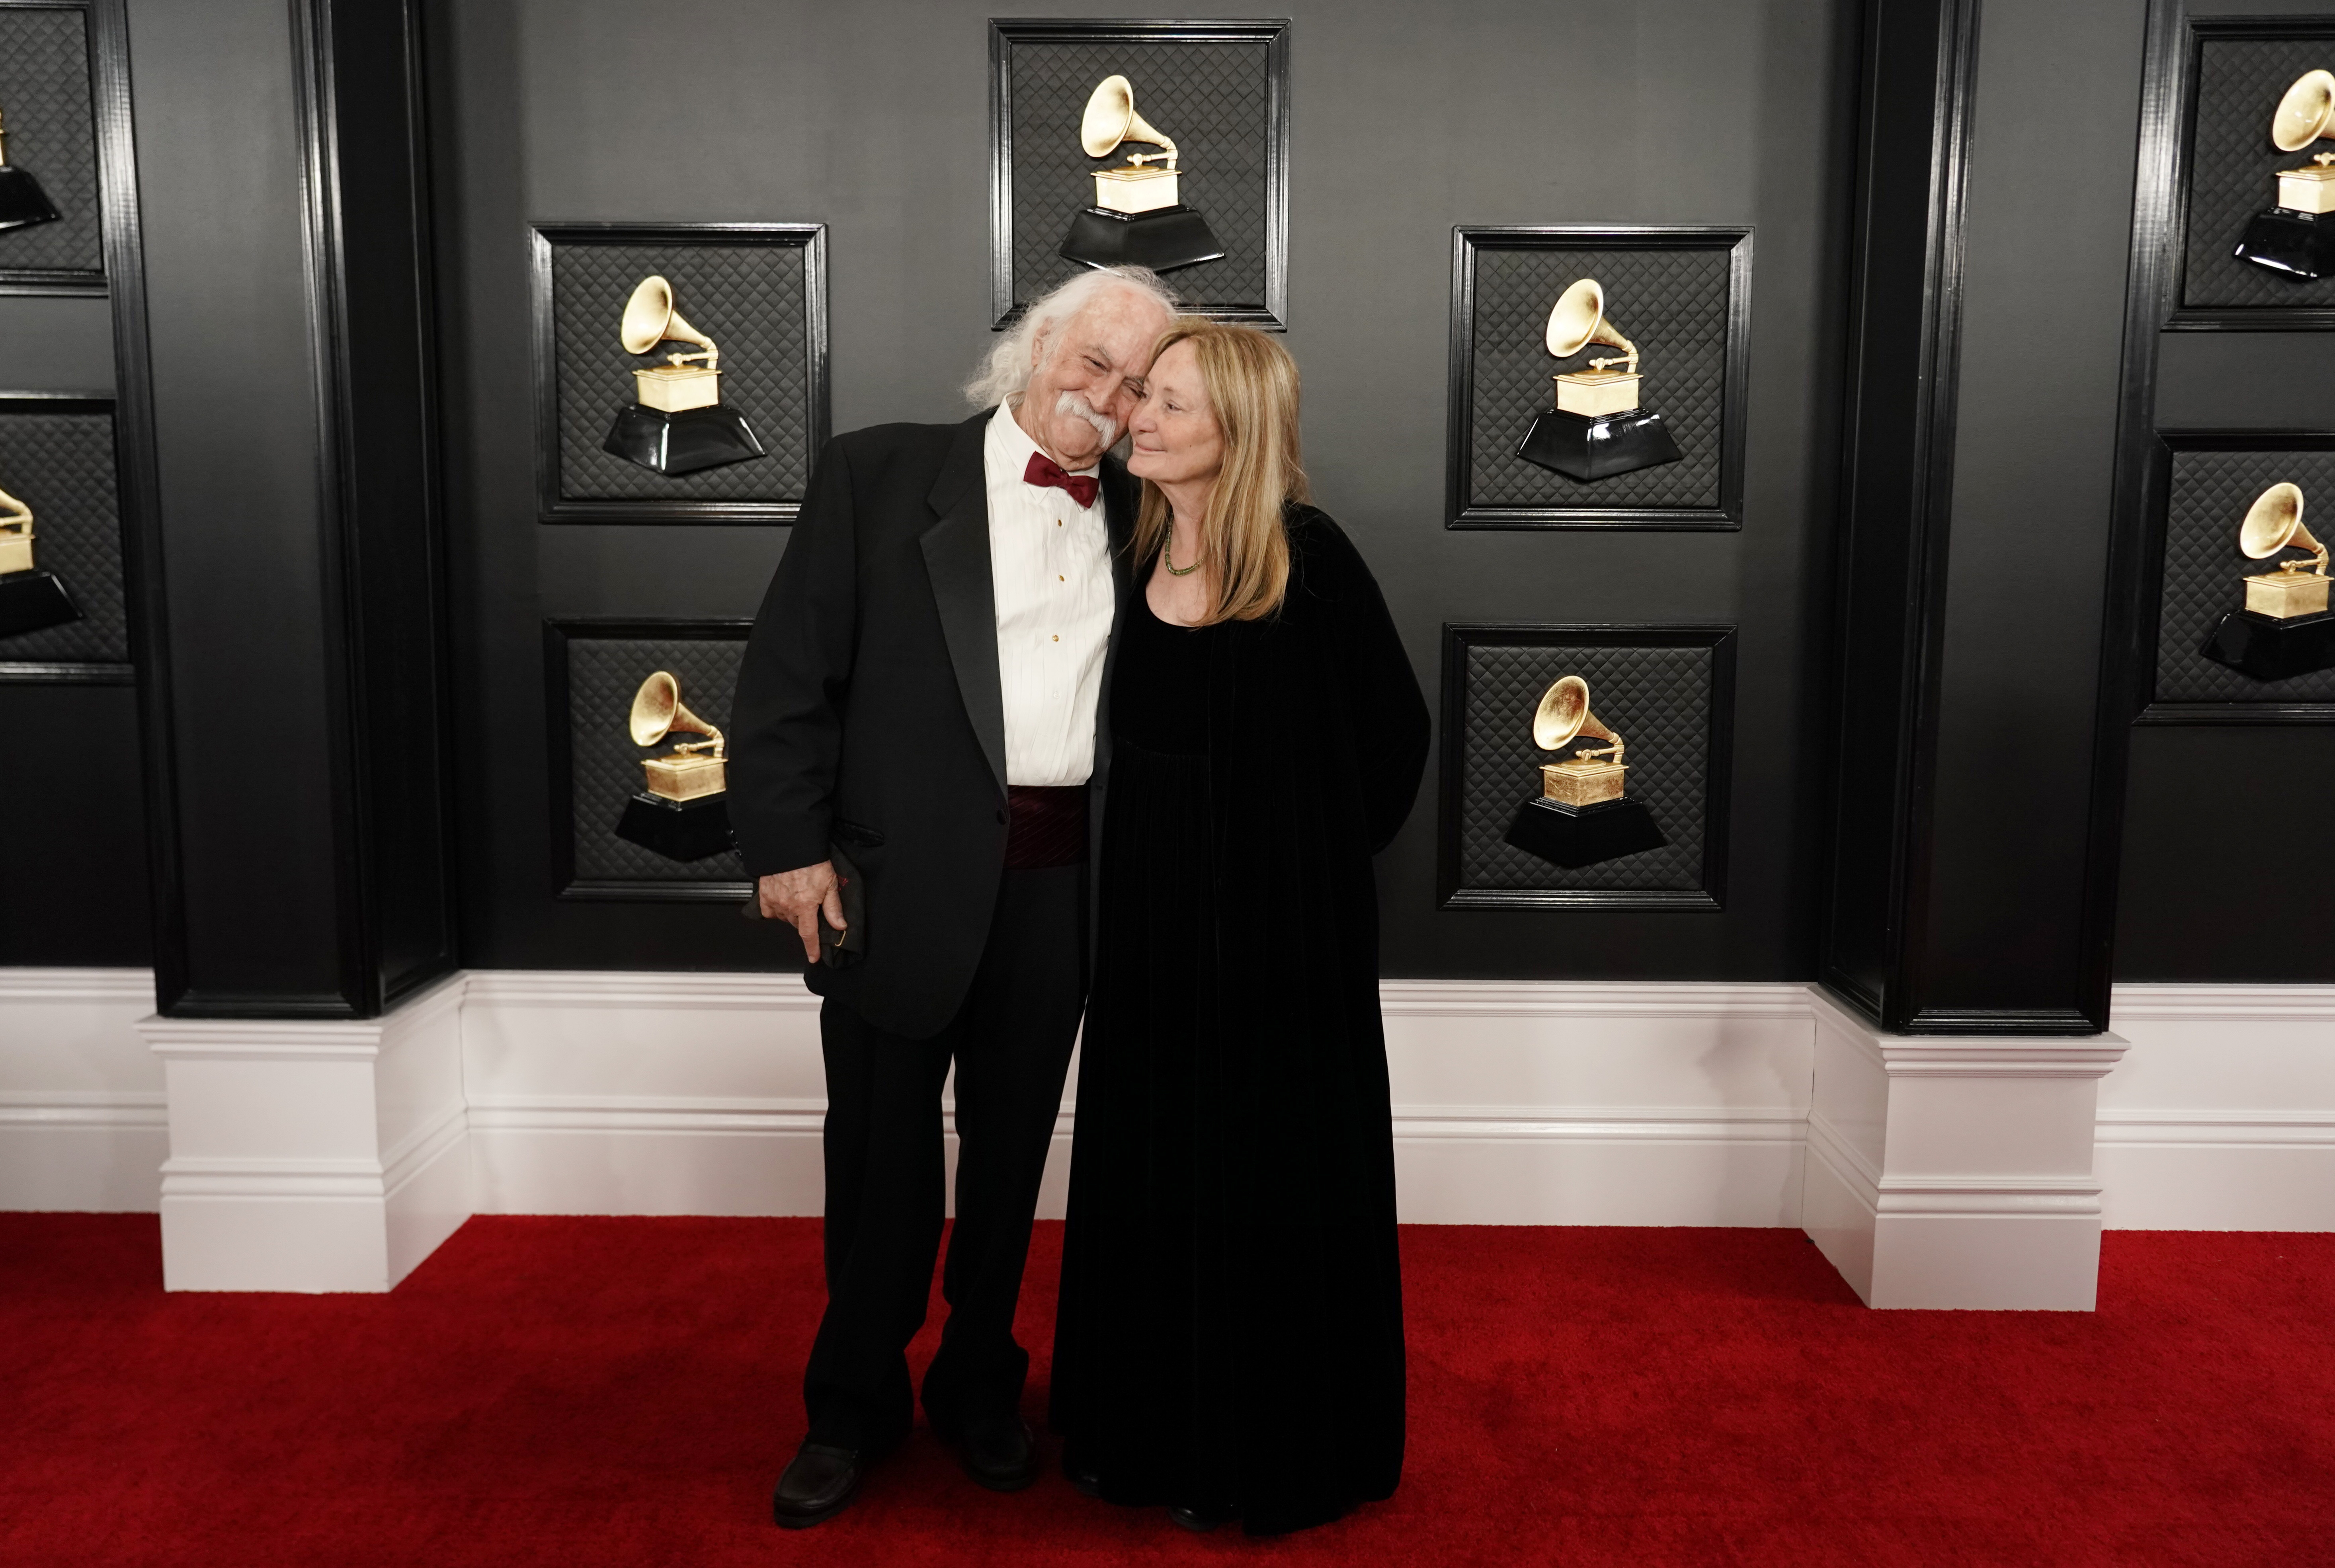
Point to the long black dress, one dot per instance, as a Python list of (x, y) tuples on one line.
[(1230, 1332)]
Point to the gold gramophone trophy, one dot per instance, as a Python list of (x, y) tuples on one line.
[(22, 202), (2297, 237), (1138, 217), (1582, 814), (30, 599), (1596, 429), (2285, 628), (677, 424), (684, 813)]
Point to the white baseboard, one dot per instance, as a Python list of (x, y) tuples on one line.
[(1515, 1102), (82, 1121), (2222, 1114)]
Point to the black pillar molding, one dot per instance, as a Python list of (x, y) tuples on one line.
[(1971, 883), (294, 660), (364, 126)]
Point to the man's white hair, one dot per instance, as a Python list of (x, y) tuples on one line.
[(1006, 371)]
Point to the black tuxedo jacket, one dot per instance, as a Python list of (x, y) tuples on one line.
[(869, 713)]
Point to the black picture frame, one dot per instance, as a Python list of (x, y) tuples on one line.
[(1467, 243), (561, 771), (73, 671), (1718, 774), (2155, 510), (2162, 211), (115, 182), (554, 507), (1008, 34)]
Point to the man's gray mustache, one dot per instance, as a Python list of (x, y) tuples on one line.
[(1070, 402)]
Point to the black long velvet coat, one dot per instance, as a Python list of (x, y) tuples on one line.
[(1231, 1318)]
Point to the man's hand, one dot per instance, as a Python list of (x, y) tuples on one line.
[(797, 897)]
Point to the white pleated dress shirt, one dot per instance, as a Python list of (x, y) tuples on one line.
[(1049, 569)]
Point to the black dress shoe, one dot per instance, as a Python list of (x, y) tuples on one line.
[(997, 1451), (818, 1485), (1082, 1477), (1200, 1521)]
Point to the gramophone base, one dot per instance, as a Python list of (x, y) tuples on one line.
[(2296, 244), (2271, 650), (1577, 835), (1163, 240), (1581, 448), (22, 202), (677, 829), (683, 442), (32, 601)]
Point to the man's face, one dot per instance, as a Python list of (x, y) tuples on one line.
[(1089, 374)]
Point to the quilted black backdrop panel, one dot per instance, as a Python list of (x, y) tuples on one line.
[(2205, 571), (1658, 700), (1673, 304), (748, 299), (1210, 98), (602, 674), (2232, 168), (61, 465), (44, 107)]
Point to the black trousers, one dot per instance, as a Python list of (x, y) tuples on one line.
[(1010, 1042)]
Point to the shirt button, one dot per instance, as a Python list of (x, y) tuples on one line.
[(1058, 636), (1059, 579)]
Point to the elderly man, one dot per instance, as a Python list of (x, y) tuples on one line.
[(920, 692)]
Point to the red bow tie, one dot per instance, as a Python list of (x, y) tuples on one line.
[(1044, 470)]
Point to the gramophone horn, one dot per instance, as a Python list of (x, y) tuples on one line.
[(1563, 716), (15, 514), (2274, 522), (2306, 113), (650, 319), (1578, 320), (1110, 119), (657, 712)]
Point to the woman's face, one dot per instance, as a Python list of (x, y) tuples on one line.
[(1175, 434)]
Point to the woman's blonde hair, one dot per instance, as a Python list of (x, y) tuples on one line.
[(1252, 387)]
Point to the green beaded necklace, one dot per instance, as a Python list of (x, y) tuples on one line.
[(1167, 555)]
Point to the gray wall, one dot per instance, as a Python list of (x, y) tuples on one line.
[(1406, 120)]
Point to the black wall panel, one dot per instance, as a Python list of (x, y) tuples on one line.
[(2206, 889), (2204, 573), (1405, 122), (1682, 298), (1220, 100), (74, 881), (761, 297), (2233, 168), (1666, 691), (56, 456), (48, 112), (595, 668)]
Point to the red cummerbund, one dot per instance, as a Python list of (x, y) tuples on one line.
[(1048, 825)]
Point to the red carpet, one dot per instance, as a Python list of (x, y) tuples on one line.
[(590, 1392)]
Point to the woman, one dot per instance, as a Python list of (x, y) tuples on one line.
[(1230, 1336)]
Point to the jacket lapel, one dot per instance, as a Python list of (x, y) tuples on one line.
[(956, 558)]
